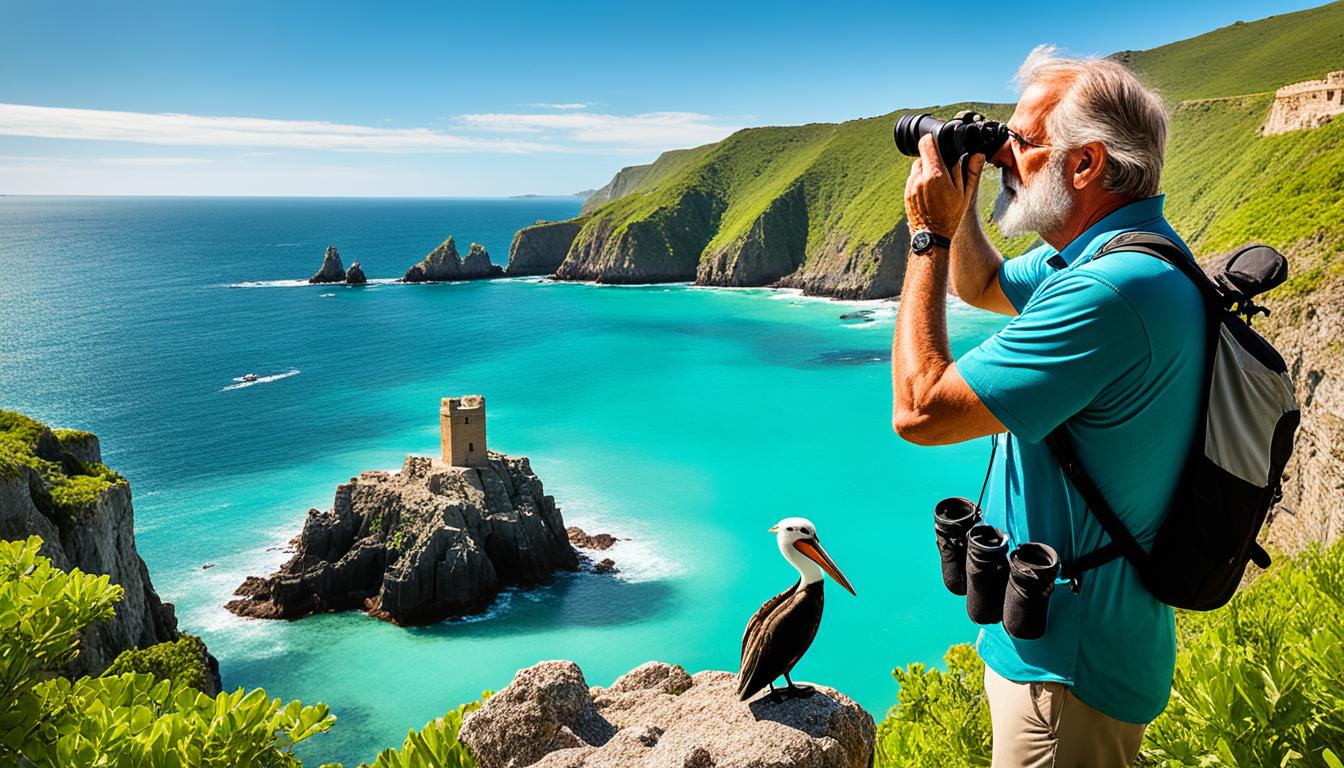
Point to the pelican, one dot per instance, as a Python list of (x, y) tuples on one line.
[(780, 632)]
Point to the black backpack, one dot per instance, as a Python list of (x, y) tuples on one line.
[(1244, 437)]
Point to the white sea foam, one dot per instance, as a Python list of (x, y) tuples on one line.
[(260, 380), (306, 284)]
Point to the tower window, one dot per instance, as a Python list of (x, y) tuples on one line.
[(471, 446), (466, 420)]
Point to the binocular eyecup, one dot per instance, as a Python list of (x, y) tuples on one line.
[(1012, 587)]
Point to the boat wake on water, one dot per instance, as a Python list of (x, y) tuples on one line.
[(250, 379)]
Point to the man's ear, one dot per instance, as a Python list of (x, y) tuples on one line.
[(1089, 163)]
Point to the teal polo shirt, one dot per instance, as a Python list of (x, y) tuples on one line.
[(1113, 349)]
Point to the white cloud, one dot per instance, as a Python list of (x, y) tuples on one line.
[(198, 130), (565, 106), (153, 161), (650, 129)]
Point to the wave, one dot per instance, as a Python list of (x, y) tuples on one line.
[(260, 380), (306, 284)]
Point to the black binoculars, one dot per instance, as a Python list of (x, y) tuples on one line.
[(999, 586)]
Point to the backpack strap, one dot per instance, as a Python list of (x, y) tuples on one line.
[(1122, 543)]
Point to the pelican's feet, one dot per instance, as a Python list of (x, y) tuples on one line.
[(790, 691)]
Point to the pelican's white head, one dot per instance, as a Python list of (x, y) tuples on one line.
[(797, 539)]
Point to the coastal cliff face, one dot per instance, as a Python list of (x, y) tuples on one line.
[(53, 484), (815, 207), (540, 248), (1309, 331), (660, 248), (428, 543), (658, 715)]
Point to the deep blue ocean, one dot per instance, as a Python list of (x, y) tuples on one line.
[(686, 420)]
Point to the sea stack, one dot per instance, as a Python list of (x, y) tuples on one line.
[(355, 275), (477, 263), (444, 264), (331, 271), (436, 540)]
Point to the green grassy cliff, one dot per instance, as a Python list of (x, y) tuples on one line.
[(818, 206)]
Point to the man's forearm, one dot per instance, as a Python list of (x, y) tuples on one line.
[(919, 348), (975, 260)]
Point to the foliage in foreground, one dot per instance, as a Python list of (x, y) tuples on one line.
[(1259, 682), (434, 746), (180, 661), (128, 719)]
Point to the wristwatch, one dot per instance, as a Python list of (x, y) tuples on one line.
[(924, 240)]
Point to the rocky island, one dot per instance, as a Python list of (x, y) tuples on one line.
[(436, 540), (443, 264), (658, 715), (332, 271)]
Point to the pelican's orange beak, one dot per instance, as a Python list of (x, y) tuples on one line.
[(811, 548)]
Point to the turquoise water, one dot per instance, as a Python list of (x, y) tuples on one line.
[(687, 420)]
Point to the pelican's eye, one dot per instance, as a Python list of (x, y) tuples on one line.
[(790, 528), (805, 532)]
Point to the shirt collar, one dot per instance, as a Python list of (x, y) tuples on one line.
[(1132, 216)]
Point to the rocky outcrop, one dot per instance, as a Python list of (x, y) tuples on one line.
[(658, 715), (664, 247), (773, 248), (581, 539), (1305, 105), (331, 271), (355, 275), (1308, 330), (443, 264), (845, 270), (428, 543), (540, 248), (92, 530), (477, 262)]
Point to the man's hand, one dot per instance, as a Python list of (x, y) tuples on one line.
[(936, 199)]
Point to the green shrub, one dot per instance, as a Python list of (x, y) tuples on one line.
[(1259, 682), (940, 718), (74, 485), (128, 719), (181, 661), (434, 746)]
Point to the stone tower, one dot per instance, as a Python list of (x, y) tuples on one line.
[(1309, 104), (462, 430)]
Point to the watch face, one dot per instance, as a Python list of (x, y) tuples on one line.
[(922, 241)]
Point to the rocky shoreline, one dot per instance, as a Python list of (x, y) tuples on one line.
[(431, 542)]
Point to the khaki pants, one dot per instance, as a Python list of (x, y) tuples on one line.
[(1038, 725)]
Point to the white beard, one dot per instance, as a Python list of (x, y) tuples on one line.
[(1041, 207)]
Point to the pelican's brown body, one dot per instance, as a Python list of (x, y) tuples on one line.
[(778, 635)]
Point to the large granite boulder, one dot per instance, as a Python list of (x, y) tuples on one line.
[(355, 275), (428, 543), (96, 536), (658, 715), (331, 271)]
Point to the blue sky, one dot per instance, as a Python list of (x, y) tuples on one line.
[(489, 99)]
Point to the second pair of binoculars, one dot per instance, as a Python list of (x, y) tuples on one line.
[(1012, 587)]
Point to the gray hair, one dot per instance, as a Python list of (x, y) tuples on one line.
[(1104, 102)]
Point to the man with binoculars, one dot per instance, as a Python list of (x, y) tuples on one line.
[(1110, 348)]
